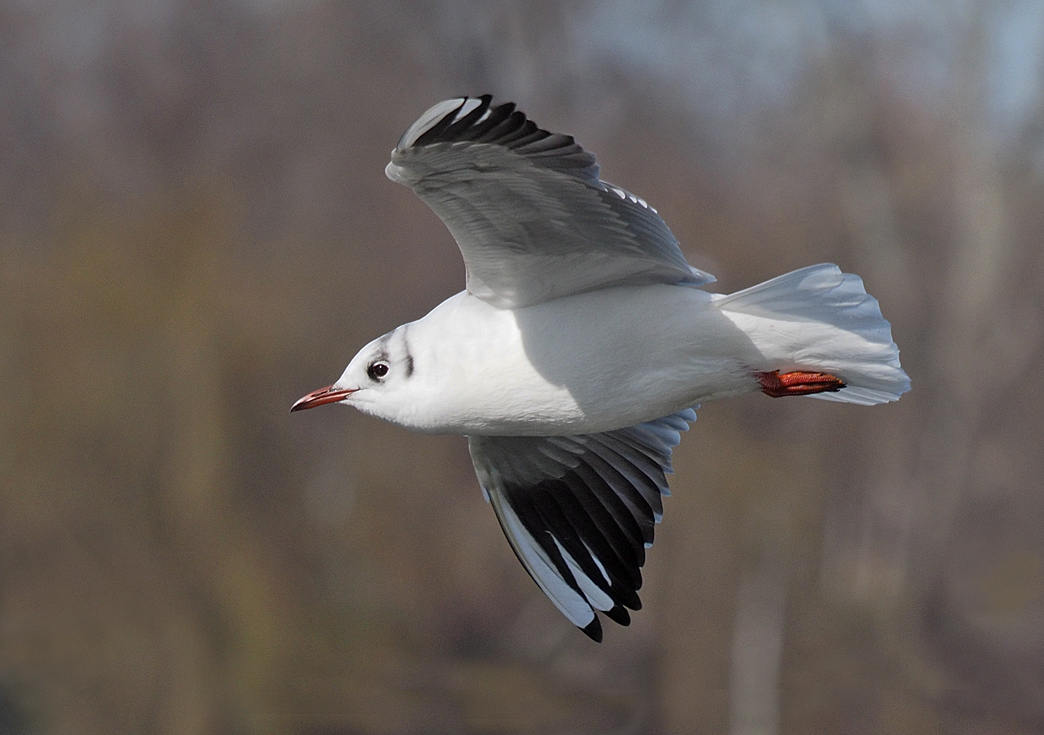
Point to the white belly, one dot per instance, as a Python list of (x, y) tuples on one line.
[(579, 364)]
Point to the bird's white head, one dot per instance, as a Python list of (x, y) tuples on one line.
[(376, 381)]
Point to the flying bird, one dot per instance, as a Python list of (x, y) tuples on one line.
[(582, 345)]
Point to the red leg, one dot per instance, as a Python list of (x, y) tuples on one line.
[(798, 383)]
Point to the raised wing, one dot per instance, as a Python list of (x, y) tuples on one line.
[(527, 208), (579, 511)]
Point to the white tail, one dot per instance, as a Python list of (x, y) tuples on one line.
[(820, 319)]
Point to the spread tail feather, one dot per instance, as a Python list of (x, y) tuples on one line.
[(820, 319)]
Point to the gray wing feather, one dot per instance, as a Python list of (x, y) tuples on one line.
[(579, 511), (527, 208)]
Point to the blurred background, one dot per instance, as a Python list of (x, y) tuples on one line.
[(196, 230)]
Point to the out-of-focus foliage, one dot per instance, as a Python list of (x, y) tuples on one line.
[(195, 230)]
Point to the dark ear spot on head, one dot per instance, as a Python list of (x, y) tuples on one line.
[(406, 349)]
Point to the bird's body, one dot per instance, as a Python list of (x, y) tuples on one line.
[(541, 370), (537, 370), (583, 342)]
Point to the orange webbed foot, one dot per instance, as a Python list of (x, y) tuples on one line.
[(798, 383)]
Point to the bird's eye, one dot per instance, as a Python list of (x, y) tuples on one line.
[(377, 370)]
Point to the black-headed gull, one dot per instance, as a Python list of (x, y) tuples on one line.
[(582, 345)]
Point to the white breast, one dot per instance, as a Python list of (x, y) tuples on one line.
[(578, 364)]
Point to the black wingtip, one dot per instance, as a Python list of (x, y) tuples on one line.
[(495, 124), (619, 615), (449, 127), (593, 630)]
